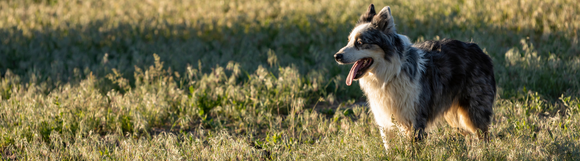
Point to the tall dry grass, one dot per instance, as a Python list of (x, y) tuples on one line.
[(193, 80)]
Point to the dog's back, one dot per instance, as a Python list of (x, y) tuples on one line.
[(459, 82)]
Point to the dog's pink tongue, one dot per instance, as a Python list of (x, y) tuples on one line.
[(352, 73)]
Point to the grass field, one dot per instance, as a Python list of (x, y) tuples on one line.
[(256, 80)]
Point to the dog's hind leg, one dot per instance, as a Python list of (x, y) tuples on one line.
[(458, 117), (478, 99), (473, 110), (480, 111)]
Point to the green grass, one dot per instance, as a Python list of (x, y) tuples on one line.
[(233, 80)]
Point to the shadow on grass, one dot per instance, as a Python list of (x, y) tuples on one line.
[(70, 54)]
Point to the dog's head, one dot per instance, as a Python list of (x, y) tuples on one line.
[(373, 41)]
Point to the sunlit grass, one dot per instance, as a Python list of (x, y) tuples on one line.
[(225, 80)]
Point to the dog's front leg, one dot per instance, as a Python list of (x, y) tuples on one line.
[(419, 134), (419, 130), (386, 133)]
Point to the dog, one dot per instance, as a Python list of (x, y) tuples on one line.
[(417, 85)]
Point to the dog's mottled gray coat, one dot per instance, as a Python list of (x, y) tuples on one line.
[(456, 78), (456, 70)]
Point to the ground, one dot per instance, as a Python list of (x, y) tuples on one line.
[(233, 80)]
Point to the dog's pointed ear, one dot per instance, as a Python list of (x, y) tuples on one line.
[(384, 21), (368, 16)]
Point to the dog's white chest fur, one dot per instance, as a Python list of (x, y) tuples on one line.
[(391, 95)]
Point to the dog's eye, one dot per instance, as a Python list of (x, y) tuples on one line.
[(359, 42), (367, 46)]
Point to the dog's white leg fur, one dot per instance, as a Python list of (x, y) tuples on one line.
[(384, 137)]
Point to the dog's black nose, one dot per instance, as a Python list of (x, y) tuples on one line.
[(338, 57)]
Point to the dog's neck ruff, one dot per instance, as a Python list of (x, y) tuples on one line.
[(393, 89)]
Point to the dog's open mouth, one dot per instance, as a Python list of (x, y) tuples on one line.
[(359, 68)]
